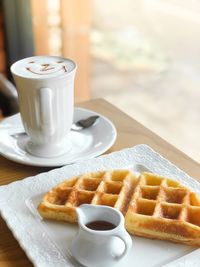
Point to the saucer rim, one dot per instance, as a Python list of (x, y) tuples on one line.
[(59, 164)]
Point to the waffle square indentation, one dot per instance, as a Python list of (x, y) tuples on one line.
[(119, 175), (174, 195), (149, 192), (194, 200), (59, 198), (90, 184), (113, 187), (146, 207), (170, 211), (194, 215), (171, 183), (95, 175), (108, 200), (153, 180), (84, 197), (68, 183)]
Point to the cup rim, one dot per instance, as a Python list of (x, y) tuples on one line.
[(42, 77)]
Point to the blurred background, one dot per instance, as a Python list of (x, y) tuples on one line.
[(141, 55)]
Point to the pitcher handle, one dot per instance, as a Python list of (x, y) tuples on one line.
[(46, 110), (125, 237)]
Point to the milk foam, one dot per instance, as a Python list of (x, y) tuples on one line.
[(42, 67)]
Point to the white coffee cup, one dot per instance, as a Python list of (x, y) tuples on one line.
[(45, 86)]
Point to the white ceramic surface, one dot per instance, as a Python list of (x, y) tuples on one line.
[(100, 246), (46, 104), (87, 143), (47, 243)]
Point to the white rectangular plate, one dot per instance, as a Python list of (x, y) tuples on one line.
[(47, 243)]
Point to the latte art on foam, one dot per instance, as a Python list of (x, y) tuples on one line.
[(43, 67), (46, 68)]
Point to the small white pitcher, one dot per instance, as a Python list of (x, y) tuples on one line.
[(97, 248)]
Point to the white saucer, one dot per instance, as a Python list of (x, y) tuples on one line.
[(87, 143)]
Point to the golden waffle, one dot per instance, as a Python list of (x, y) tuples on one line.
[(162, 208), (153, 206), (111, 188)]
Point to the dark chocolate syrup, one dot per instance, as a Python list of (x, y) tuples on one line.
[(100, 225)]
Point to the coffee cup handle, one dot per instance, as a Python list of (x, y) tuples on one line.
[(46, 110), (125, 237)]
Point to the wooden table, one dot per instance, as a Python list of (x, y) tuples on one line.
[(130, 133)]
